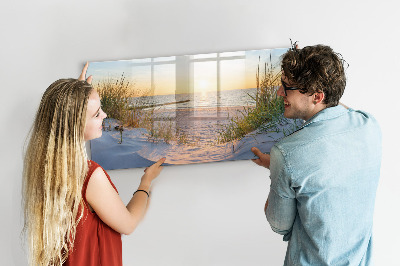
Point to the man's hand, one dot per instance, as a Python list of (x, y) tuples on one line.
[(263, 159)]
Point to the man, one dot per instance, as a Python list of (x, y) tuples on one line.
[(323, 176)]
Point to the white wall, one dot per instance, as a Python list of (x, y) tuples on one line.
[(206, 214)]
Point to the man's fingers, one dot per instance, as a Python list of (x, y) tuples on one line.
[(83, 74), (256, 152), (257, 161)]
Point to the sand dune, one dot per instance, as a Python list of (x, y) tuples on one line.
[(201, 124)]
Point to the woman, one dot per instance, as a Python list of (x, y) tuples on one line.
[(73, 213)]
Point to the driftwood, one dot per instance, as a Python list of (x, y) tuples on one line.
[(156, 105)]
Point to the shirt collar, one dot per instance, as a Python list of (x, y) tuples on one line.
[(326, 114)]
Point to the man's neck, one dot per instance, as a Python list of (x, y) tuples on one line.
[(318, 108)]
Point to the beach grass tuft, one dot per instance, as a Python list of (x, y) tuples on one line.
[(267, 112), (114, 96), (117, 100)]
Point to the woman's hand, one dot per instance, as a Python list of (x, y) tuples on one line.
[(151, 172), (83, 74)]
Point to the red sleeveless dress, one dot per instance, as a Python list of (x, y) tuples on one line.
[(95, 242)]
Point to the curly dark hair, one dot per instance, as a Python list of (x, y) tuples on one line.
[(316, 69)]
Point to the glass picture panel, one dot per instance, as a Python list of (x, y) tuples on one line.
[(190, 109)]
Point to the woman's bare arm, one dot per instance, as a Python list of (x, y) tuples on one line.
[(108, 205)]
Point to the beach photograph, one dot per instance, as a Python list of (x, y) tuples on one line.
[(190, 109)]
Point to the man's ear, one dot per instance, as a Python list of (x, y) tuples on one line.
[(318, 97)]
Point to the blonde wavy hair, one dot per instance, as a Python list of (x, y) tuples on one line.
[(55, 167)]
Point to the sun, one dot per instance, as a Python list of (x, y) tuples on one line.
[(203, 84)]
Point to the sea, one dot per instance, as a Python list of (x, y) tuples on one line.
[(210, 99)]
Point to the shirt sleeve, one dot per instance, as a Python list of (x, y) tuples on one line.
[(281, 210)]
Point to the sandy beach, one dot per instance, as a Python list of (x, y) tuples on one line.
[(200, 125)]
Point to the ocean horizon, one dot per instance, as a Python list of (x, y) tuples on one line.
[(225, 98)]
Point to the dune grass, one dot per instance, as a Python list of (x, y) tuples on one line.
[(267, 113), (117, 100), (114, 96)]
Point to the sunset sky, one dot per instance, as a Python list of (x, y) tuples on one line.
[(237, 71)]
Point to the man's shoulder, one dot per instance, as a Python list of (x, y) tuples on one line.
[(349, 124), (293, 142), (364, 116)]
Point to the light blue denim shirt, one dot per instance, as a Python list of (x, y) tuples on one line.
[(323, 183)]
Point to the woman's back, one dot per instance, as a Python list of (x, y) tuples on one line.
[(95, 242)]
